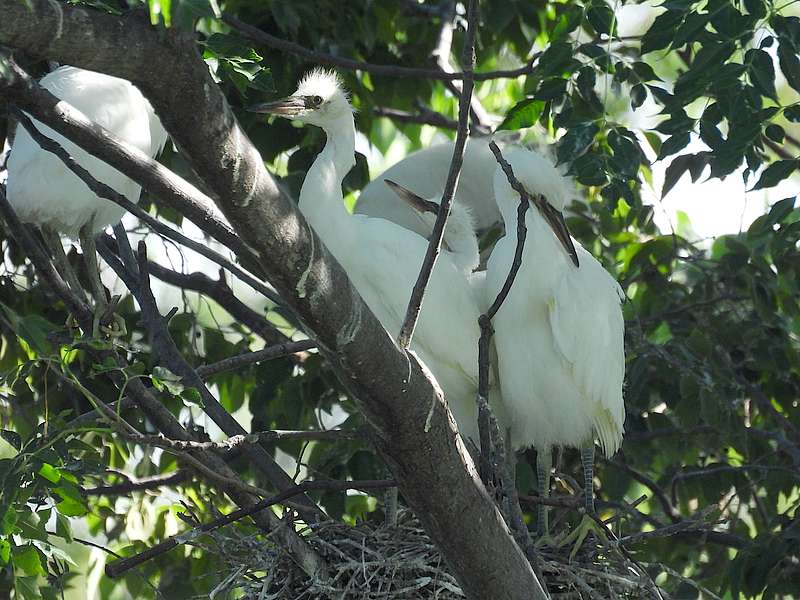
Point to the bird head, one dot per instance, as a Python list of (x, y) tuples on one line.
[(537, 174), (318, 100), (459, 236)]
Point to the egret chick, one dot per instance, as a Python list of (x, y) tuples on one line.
[(44, 192), (382, 259), (558, 335)]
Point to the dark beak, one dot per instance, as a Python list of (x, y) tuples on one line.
[(416, 202), (289, 106)]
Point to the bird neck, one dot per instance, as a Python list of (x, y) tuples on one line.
[(463, 243), (321, 194)]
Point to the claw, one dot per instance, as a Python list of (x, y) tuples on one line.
[(578, 535)]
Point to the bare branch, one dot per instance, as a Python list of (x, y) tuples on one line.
[(138, 485), (250, 358), (167, 351), (425, 116), (323, 58), (435, 243)]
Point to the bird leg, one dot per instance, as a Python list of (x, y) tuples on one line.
[(103, 311), (587, 460), (588, 524), (544, 461)]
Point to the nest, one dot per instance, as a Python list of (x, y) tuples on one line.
[(370, 561)]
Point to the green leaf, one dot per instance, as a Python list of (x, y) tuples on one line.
[(600, 17), (661, 31), (5, 551), (790, 64), (775, 133), (689, 31), (164, 379), (27, 558), (674, 171), (63, 527), (523, 114), (761, 71), (674, 144), (50, 473), (576, 141), (555, 60), (644, 71), (551, 89), (568, 22), (775, 173)]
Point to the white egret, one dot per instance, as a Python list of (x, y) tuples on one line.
[(559, 333), (381, 258), (44, 192), (425, 172)]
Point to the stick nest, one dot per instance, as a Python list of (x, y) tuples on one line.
[(370, 561)]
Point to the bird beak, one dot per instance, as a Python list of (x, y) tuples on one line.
[(416, 202), (285, 107), (555, 219)]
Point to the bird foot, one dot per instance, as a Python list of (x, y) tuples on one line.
[(578, 535)]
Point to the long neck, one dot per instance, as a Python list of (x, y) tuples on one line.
[(321, 194), (463, 243)]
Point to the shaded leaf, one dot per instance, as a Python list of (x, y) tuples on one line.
[(523, 114), (775, 173)]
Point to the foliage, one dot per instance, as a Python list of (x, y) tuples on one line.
[(713, 374)]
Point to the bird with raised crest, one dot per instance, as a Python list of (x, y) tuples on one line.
[(383, 259), (44, 192)]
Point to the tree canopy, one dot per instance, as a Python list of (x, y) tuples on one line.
[(705, 491)]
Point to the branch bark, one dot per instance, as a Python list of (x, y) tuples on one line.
[(431, 464)]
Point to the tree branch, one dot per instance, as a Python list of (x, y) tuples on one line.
[(323, 58), (423, 117), (435, 242), (251, 358)]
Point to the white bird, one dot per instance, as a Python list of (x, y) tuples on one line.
[(425, 172), (44, 192), (383, 259), (559, 333)]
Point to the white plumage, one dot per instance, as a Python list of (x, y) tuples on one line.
[(45, 192), (559, 333), (383, 259), (425, 172)]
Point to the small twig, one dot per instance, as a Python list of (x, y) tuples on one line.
[(236, 441), (323, 58), (170, 355), (422, 117), (435, 243), (138, 485), (250, 358), (117, 568), (667, 506), (108, 193)]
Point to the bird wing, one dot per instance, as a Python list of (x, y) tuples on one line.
[(588, 329)]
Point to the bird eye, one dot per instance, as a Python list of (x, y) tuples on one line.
[(315, 101)]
